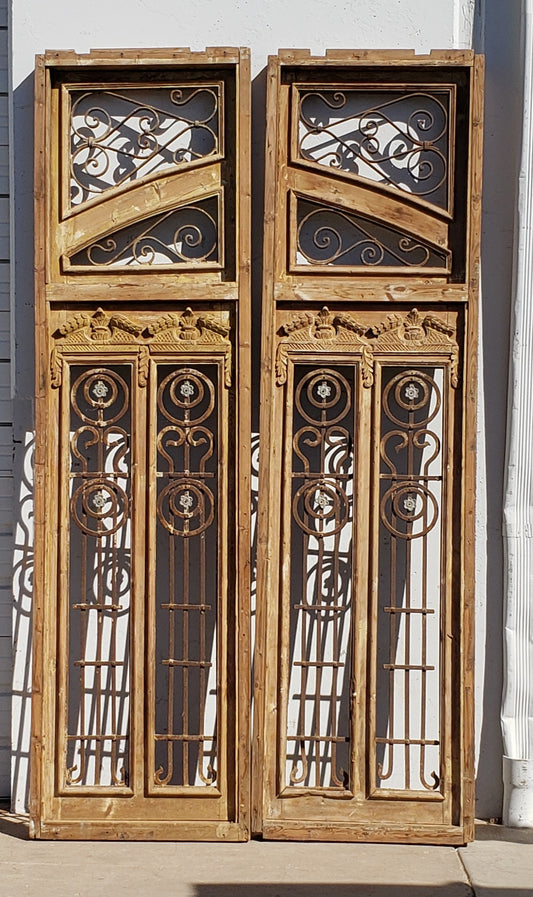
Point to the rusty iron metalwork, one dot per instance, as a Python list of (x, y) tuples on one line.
[(329, 236), (121, 135), (395, 137), (187, 235), (317, 735), (412, 499), (187, 576), (100, 498)]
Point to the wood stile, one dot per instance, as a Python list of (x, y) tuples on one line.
[(39, 618), (416, 322), (143, 325), (244, 426), (469, 445), (260, 760)]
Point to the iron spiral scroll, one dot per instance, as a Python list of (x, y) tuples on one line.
[(322, 520), (118, 135), (187, 613), (97, 742), (410, 510), (397, 140)]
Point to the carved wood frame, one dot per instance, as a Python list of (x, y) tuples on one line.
[(193, 314), (369, 319)]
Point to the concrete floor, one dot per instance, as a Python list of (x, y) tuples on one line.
[(498, 864)]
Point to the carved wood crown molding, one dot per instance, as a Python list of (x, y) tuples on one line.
[(414, 333), (83, 333), (324, 332), (339, 333)]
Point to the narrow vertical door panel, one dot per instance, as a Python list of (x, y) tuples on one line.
[(141, 660), (96, 555), (365, 506), (321, 524)]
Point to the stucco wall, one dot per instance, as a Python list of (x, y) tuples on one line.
[(264, 28)]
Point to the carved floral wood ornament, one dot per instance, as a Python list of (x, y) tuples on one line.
[(324, 332), (340, 333), (187, 332)]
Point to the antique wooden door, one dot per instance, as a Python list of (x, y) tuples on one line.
[(140, 713), (365, 546)]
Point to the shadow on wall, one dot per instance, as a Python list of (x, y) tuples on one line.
[(23, 428), (503, 113), (22, 625)]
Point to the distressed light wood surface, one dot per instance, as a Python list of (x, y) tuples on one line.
[(195, 317), (409, 321)]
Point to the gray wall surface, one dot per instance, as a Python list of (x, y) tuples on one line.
[(6, 428)]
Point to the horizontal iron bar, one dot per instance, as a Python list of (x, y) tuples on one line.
[(98, 663), (408, 610), (186, 663), (97, 737), (331, 609), (324, 475), (184, 737), (317, 663), (406, 666), (410, 478), (184, 474), (420, 741), (86, 606), (99, 475), (186, 606), (336, 738)]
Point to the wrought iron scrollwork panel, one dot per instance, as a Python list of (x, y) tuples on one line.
[(122, 134), (410, 595), (99, 573), (318, 723), (187, 544), (332, 237), (397, 138), (187, 236)]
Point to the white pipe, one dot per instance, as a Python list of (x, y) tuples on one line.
[(517, 792), (517, 704)]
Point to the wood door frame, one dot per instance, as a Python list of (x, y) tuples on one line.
[(60, 296), (284, 287)]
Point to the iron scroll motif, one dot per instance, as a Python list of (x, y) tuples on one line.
[(394, 138), (412, 498), (121, 135), (97, 738), (187, 613), (332, 237), (321, 538), (185, 507), (187, 236)]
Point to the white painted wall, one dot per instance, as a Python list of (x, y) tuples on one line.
[(264, 27)]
